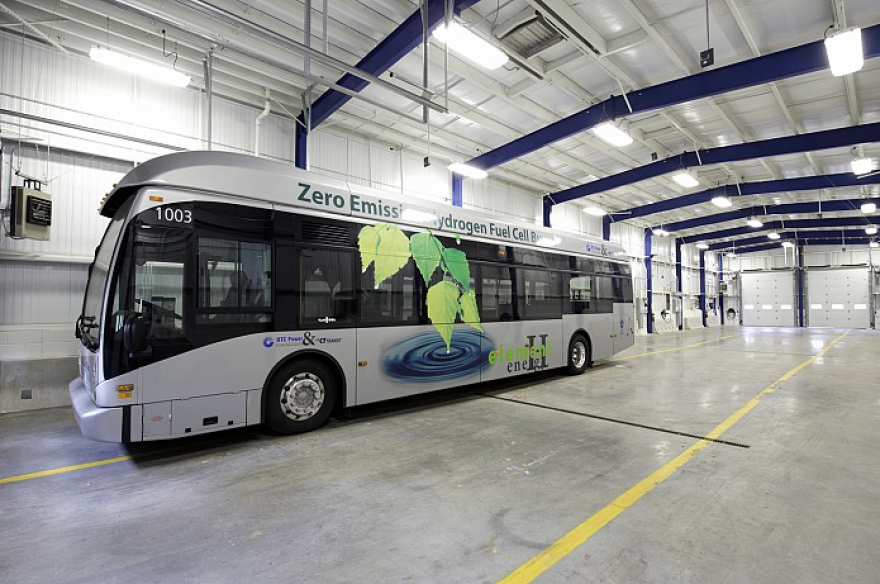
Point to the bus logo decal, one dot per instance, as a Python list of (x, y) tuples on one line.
[(268, 342)]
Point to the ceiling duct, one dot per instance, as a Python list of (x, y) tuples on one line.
[(530, 37)]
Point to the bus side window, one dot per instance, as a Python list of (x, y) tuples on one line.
[(327, 290), (580, 293), (496, 290), (393, 301)]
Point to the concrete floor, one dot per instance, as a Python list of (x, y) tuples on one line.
[(468, 487)]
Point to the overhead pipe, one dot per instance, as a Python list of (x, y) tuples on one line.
[(32, 28), (793, 62), (266, 109), (810, 142)]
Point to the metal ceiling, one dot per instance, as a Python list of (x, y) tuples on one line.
[(570, 66)]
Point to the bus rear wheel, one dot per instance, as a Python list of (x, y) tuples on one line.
[(578, 355), (300, 397)]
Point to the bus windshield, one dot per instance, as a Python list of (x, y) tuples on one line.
[(88, 325)]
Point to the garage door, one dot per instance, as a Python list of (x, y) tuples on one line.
[(838, 298), (768, 299)]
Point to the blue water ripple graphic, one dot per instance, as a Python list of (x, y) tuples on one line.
[(424, 356)]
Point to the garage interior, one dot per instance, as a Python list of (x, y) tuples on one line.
[(732, 443)]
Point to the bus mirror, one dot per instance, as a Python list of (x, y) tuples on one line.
[(134, 335)]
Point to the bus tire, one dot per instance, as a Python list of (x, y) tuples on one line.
[(300, 397), (579, 355)]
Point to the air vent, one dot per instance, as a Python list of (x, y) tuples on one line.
[(328, 234), (530, 37)]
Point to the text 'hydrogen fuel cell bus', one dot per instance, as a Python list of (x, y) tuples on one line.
[(230, 290)]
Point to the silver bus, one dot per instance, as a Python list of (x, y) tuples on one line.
[(230, 291)]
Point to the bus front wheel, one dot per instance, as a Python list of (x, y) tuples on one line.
[(578, 355), (300, 397)]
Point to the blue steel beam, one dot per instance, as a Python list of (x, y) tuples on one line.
[(800, 236), (773, 147), (785, 209), (703, 287), (805, 183), (771, 246), (864, 221), (793, 62), (649, 290)]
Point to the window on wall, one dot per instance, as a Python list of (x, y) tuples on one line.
[(235, 281), (327, 291)]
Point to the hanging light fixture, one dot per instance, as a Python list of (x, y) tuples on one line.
[(702, 245), (139, 67), (874, 244), (861, 166), (595, 211), (721, 201), (773, 235), (868, 208), (686, 180), (467, 170), (613, 134), (871, 230), (754, 222), (470, 46), (659, 231), (845, 53), (787, 244)]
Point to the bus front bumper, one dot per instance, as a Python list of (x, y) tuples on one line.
[(103, 424)]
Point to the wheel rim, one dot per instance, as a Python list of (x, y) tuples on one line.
[(578, 354), (302, 396)]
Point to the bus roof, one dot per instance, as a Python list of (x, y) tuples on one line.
[(257, 179)]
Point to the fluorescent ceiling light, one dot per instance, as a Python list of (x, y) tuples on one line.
[(659, 232), (874, 244), (595, 211), (702, 245), (613, 135), (731, 254), (870, 230), (845, 53), (773, 235), (721, 202), (754, 222), (462, 41), (862, 166), (686, 180), (868, 208), (787, 244), (139, 67), (467, 170)]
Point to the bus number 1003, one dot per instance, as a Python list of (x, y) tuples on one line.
[(172, 215)]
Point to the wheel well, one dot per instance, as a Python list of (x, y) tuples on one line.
[(586, 335), (324, 358)]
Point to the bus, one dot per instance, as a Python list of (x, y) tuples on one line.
[(230, 290)]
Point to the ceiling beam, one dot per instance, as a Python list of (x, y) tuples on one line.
[(837, 138), (784, 64), (861, 221)]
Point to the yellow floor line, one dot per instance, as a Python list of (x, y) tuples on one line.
[(671, 350), (64, 469), (583, 532)]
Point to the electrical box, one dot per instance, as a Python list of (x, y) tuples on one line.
[(723, 288), (31, 214)]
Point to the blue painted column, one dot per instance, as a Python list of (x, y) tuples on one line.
[(720, 279), (800, 284), (650, 285), (606, 228), (301, 145), (678, 284), (703, 286), (457, 183), (548, 208)]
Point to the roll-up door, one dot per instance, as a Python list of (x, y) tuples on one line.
[(768, 299), (839, 298)]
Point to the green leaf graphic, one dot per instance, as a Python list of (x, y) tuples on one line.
[(426, 250), (392, 252), (368, 242), (469, 313), (443, 307), (457, 264)]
